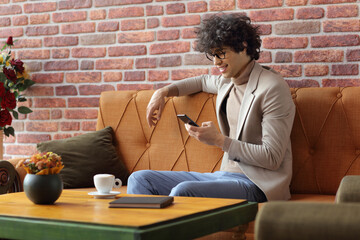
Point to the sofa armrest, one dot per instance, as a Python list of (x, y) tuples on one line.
[(349, 190), (321, 221), (19, 169), (9, 178)]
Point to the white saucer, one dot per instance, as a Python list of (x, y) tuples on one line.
[(111, 194)]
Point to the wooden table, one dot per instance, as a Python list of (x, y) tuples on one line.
[(76, 215)]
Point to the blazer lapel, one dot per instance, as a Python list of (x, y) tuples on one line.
[(219, 101), (248, 97)]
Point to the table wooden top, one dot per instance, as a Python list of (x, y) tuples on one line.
[(78, 206)]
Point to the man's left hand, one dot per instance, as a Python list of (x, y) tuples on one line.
[(207, 134)]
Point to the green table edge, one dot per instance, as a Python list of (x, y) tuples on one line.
[(185, 228)]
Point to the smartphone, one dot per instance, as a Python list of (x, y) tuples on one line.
[(186, 119)]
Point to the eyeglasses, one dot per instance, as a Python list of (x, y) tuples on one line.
[(219, 55)]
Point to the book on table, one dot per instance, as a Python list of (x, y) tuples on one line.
[(142, 202)]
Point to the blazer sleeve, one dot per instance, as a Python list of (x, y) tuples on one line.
[(203, 83)]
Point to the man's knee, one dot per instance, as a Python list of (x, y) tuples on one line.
[(183, 189)]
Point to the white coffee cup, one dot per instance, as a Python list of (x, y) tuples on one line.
[(105, 182)]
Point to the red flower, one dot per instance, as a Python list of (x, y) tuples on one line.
[(2, 90), (10, 74), (9, 41), (18, 65), (8, 101), (5, 118)]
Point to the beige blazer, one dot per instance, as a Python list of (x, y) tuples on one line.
[(263, 147)]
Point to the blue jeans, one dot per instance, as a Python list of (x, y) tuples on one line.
[(217, 185)]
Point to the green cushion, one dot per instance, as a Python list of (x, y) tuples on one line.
[(280, 220), (349, 190), (86, 155)]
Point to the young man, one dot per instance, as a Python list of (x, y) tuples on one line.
[(255, 112)]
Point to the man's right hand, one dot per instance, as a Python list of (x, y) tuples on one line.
[(156, 106)]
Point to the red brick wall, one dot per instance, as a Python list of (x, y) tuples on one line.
[(77, 48)]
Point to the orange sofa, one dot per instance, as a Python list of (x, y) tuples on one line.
[(325, 136)]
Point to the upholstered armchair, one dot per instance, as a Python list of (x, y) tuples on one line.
[(305, 220), (9, 178)]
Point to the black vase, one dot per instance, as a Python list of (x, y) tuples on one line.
[(43, 189)]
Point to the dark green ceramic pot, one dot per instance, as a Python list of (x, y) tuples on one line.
[(43, 189)]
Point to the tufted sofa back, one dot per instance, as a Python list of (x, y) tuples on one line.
[(325, 136), (166, 146)]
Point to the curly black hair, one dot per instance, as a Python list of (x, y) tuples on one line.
[(231, 30)]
